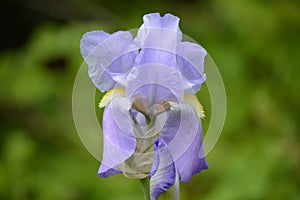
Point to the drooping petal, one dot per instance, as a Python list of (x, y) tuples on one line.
[(190, 58), (163, 172), (109, 57), (158, 37), (192, 161), (183, 127), (119, 142), (105, 171), (155, 82)]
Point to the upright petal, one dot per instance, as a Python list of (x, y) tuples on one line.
[(183, 127), (118, 140), (155, 82), (91, 40), (168, 21), (190, 62), (109, 57), (163, 172), (158, 37)]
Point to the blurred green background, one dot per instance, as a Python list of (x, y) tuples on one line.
[(254, 43)]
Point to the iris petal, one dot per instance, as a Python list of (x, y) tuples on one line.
[(109, 57), (163, 172), (118, 140), (183, 127), (155, 82), (168, 21), (158, 37), (190, 61), (192, 160), (90, 41)]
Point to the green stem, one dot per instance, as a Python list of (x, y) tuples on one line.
[(146, 188)]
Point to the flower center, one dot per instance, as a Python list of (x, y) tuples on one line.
[(140, 163), (141, 104)]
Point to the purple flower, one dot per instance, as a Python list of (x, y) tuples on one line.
[(151, 121)]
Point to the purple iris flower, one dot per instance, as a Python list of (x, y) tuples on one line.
[(151, 122)]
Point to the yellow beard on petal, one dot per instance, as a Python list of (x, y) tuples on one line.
[(115, 92), (193, 101)]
